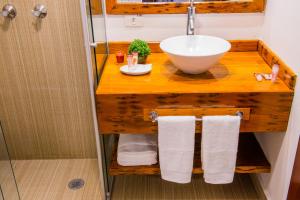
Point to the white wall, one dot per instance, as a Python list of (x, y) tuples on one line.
[(281, 31), (159, 27), (99, 25)]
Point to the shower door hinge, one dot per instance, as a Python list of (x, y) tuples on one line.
[(94, 44)]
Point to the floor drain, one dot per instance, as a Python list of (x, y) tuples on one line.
[(76, 184)]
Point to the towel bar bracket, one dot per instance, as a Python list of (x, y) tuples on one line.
[(154, 115)]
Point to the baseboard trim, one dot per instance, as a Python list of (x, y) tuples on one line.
[(258, 187)]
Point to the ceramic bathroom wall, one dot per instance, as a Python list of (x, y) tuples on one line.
[(46, 109), (159, 27)]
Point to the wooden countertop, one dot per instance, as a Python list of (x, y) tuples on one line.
[(233, 74)]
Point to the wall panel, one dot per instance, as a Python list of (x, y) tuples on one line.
[(45, 106)]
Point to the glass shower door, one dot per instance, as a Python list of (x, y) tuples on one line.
[(99, 52), (8, 185)]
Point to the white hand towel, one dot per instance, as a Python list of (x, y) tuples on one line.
[(220, 135), (176, 141), (134, 150)]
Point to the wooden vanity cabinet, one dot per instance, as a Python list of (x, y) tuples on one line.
[(124, 102), (126, 113)]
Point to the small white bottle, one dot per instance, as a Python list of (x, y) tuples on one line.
[(275, 71), (130, 62), (135, 58)]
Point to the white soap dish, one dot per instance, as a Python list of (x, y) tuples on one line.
[(136, 70)]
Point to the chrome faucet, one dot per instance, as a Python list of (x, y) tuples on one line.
[(190, 29)]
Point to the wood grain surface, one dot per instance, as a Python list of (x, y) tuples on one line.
[(125, 113), (233, 73), (48, 179), (250, 159), (96, 6), (154, 188), (121, 99), (46, 109), (285, 73), (231, 6)]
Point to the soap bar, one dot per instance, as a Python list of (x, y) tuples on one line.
[(267, 76), (258, 77)]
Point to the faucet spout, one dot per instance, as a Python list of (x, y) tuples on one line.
[(191, 19), (192, 24)]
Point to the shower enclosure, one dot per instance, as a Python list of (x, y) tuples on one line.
[(51, 55)]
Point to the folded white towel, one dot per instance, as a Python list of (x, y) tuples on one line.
[(176, 141), (137, 149), (220, 135)]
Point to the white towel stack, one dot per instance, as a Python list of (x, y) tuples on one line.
[(220, 135), (176, 141), (137, 149)]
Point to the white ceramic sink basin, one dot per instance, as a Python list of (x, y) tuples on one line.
[(194, 54)]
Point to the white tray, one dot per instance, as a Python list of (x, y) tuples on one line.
[(137, 69)]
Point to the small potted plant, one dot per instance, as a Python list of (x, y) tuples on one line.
[(142, 48)]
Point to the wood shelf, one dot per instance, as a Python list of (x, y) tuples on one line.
[(250, 159)]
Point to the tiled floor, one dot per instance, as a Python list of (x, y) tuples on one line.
[(153, 188), (8, 188), (48, 179)]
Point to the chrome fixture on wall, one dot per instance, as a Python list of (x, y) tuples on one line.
[(40, 11), (9, 11), (190, 29)]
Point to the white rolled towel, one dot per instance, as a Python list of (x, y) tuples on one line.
[(137, 149)]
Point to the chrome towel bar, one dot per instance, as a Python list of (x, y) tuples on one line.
[(153, 115)]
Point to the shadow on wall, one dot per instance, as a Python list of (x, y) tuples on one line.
[(280, 149)]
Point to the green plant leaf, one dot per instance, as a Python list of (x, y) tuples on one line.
[(139, 46)]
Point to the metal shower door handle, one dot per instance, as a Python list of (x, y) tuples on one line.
[(9, 11), (40, 11)]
